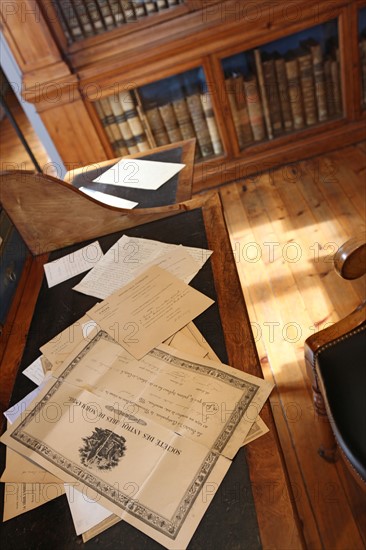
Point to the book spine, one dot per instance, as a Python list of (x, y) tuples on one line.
[(283, 92), (170, 122), (308, 88), (336, 85), (262, 88), (111, 126), (128, 105), (157, 126), (231, 97), (242, 108), (183, 118), (200, 124), (121, 120), (329, 86), (274, 104), (319, 78), (211, 123), (295, 94), (255, 110)]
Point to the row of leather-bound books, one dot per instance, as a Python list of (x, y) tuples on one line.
[(131, 128), (285, 93), (84, 18), (362, 47)]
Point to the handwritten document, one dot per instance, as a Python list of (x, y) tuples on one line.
[(72, 264), (106, 198), (148, 310), (130, 255), (140, 174)]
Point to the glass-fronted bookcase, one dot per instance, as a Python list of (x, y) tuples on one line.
[(253, 82), (166, 111), (286, 85)]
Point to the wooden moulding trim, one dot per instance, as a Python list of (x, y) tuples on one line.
[(16, 339), (277, 519), (51, 92), (108, 82), (272, 155), (34, 202)]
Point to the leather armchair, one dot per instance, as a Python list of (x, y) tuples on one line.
[(335, 361)]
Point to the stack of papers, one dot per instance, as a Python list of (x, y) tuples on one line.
[(138, 396)]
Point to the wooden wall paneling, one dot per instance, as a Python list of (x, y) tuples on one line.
[(30, 40), (74, 134)]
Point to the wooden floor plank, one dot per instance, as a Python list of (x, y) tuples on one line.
[(252, 273), (304, 211)]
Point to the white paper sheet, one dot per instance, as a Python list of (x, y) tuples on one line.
[(140, 174), (21, 407), (111, 200), (35, 371), (128, 256), (86, 513), (73, 264)]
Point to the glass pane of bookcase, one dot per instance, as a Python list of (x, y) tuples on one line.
[(163, 112), (286, 85), (362, 46), (84, 18)]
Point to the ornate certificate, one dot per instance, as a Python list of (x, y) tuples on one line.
[(145, 438)]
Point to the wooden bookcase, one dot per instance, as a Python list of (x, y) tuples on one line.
[(69, 79)]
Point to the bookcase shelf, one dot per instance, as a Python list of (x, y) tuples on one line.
[(257, 84)]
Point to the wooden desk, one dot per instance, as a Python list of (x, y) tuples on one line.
[(254, 504)]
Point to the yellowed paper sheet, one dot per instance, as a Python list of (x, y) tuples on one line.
[(58, 349), (196, 398), (23, 497), (215, 404), (20, 469), (148, 310), (106, 456)]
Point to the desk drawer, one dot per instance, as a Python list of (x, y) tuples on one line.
[(13, 253)]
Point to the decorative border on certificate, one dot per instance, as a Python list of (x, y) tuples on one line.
[(242, 405), (168, 527)]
